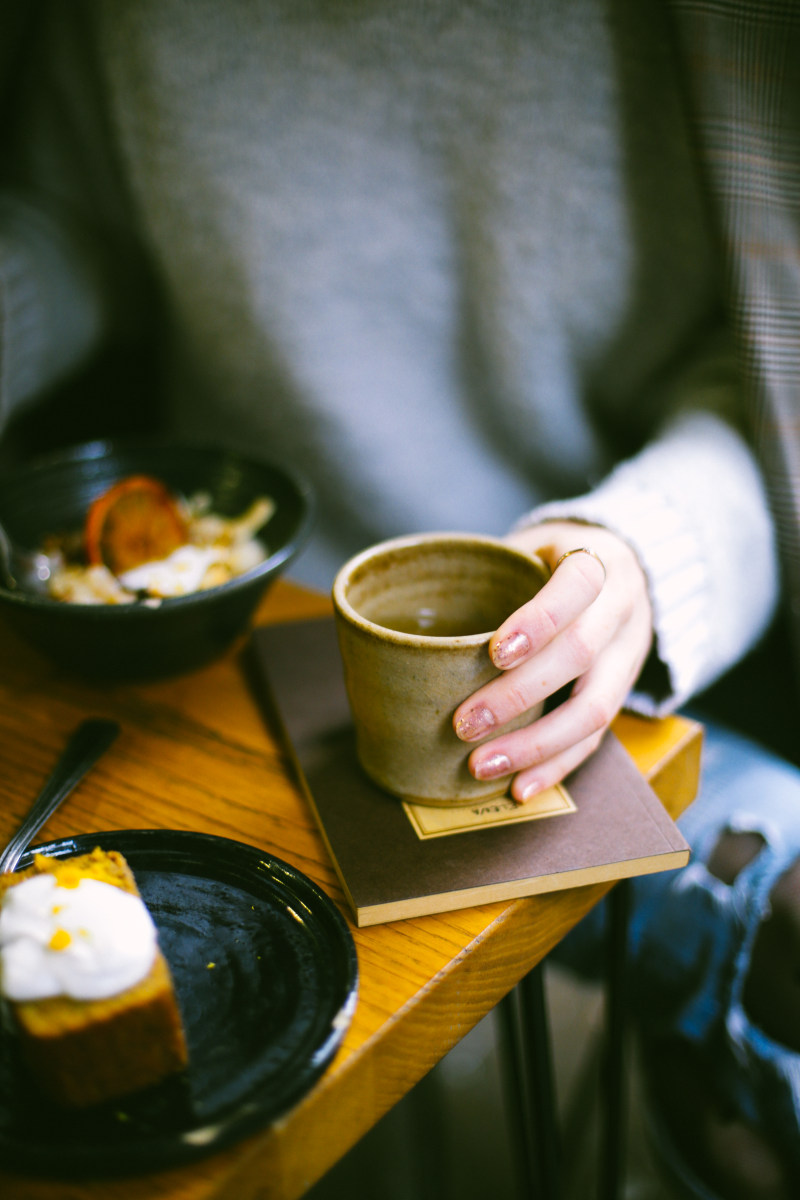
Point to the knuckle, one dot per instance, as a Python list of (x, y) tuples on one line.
[(590, 571), (518, 700), (594, 741), (598, 715), (580, 649), (589, 574), (545, 623)]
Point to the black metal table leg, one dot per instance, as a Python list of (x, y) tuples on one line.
[(614, 1099), (426, 1106), (531, 1080), (539, 1056), (530, 1077), (517, 1108)]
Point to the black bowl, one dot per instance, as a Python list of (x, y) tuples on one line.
[(134, 641)]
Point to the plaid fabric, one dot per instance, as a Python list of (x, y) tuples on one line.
[(742, 63)]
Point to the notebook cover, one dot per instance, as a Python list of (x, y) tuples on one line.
[(618, 828)]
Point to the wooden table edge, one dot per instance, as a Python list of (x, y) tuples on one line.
[(363, 1083)]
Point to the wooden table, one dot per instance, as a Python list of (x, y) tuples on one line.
[(195, 753)]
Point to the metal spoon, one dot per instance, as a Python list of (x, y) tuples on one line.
[(23, 569), (91, 739)]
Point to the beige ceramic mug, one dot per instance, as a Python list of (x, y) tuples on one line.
[(414, 617)]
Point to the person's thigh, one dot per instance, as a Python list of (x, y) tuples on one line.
[(688, 926), (715, 947)]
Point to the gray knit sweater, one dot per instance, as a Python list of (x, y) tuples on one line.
[(450, 259)]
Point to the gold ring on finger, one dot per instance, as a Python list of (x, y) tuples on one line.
[(582, 550)]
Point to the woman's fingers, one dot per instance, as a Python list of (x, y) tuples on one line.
[(574, 585), (591, 625), (536, 675), (530, 783), (544, 751)]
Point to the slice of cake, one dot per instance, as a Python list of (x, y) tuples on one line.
[(88, 989)]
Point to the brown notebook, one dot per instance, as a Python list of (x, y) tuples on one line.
[(605, 823)]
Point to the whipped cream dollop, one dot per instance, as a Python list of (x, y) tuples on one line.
[(87, 942)]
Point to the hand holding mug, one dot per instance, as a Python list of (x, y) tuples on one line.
[(590, 625)]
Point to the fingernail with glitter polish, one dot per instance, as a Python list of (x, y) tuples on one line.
[(510, 650), (529, 791), (490, 768), (475, 723)]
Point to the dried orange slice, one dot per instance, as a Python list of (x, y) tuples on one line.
[(136, 521)]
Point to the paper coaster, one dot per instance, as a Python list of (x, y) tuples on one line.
[(428, 821)]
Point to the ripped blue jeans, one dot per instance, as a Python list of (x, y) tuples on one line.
[(691, 935)]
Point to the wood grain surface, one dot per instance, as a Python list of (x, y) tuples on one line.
[(197, 753)]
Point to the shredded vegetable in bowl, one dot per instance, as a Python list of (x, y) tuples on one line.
[(142, 543)]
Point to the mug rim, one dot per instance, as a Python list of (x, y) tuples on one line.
[(409, 541)]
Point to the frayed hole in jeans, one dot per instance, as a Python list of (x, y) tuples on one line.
[(771, 993), (734, 850)]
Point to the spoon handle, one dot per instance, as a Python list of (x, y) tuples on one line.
[(91, 739)]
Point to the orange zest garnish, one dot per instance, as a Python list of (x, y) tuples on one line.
[(136, 521), (67, 877)]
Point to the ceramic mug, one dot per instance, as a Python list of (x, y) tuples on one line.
[(414, 617)]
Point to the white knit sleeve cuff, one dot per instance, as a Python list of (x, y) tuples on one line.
[(671, 558), (693, 509)]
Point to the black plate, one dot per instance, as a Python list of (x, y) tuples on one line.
[(262, 1023)]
